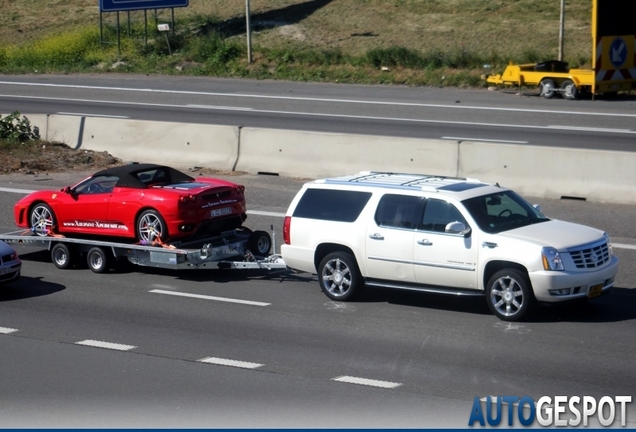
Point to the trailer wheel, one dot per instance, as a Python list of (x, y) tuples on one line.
[(62, 255), (98, 260), (260, 243), (569, 90), (547, 88)]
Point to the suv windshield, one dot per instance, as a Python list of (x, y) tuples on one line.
[(502, 211)]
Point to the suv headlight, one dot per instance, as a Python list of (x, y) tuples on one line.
[(551, 259), (609, 244)]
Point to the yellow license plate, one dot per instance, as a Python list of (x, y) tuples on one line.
[(595, 291)]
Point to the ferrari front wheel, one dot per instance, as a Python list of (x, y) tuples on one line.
[(42, 219), (151, 227)]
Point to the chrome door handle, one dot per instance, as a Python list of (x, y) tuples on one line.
[(376, 236), (425, 242)]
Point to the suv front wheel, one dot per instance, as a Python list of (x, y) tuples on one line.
[(509, 295), (339, 276)]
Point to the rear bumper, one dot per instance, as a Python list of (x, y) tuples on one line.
[(297, 258), (184, 228)]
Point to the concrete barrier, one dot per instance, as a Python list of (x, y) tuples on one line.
[(64, 128), (552, 172), (314, 154), (176, 144)]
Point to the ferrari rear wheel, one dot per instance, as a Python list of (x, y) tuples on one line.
[(151, 227), (42, 219)]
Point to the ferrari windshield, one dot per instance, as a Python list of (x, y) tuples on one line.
[(502, 211)]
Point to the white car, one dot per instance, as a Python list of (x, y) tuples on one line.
[(10, 264), (444, 235)]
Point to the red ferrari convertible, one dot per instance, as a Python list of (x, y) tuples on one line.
[(140, 201)]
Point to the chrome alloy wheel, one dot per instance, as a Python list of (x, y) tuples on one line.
[(42, 220), (336, 277), (506, 296), (150, 227)]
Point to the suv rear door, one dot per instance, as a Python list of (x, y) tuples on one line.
[(390, 238)]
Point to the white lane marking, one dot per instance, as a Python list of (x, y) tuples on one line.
[(308, 114), (367, 382), (485, 140), (314, 99), (11, 190), (107, 345), (265, 213), (92, 115), (214, 107), (228, 362), (623, 246), (589, 129), (7, 330), (205, 297)]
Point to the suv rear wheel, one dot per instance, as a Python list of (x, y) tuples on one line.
[(509, 295), (339, 276)]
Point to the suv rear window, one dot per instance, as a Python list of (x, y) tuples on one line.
[(333, 205)]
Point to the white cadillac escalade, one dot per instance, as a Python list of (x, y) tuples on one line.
[(444, 235)]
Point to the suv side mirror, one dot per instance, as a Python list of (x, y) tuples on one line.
[(457, 228)]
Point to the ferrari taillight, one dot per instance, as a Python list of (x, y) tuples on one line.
[(187, 198), (286, 230), (240, 189)]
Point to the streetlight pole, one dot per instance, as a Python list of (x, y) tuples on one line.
[(249, 31), (561, 29)]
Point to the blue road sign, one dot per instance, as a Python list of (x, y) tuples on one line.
[(618, 52), (127, 5)]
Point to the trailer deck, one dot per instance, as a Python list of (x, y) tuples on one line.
[(235, 249)]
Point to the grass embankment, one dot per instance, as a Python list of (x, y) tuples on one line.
[(22, 150), (414, 42)]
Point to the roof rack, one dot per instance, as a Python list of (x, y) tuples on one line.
[(400, 180)]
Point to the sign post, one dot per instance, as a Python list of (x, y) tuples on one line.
[(248, 31)]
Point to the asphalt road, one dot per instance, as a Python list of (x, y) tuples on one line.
[(504, 116), (428, 356)]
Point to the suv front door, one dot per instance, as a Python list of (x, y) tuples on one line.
[(390, 238), (440, 258)]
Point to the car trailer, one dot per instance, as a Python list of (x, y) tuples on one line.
[(235, 249)]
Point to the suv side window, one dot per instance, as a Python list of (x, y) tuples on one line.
[(333, 205), (438, 214), (398, 211)]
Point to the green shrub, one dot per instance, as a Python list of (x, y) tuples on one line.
[(16, 129)]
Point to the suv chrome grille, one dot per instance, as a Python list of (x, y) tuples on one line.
[(590, 256)]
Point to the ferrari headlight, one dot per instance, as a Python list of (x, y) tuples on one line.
[(551, 259)]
